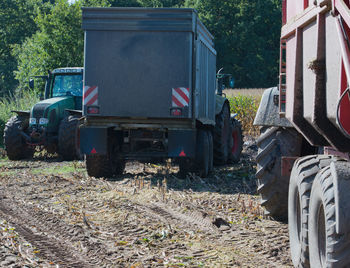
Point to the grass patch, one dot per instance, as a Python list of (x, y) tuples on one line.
[(245, 103), (22, 101), (59, 169)]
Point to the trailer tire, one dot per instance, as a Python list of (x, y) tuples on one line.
[(15, 145), (211, 151), (222, 136), (236, 141), (327, 247), (301, 179), (68, 138), (202, 153), (273, 143), (102, 166)]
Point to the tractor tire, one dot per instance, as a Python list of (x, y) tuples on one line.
[(102, 166), (273, 143), (68, 138), (236, 141), (202, 153), (222, 136), (15, 145), (301, 179), (327, 248)]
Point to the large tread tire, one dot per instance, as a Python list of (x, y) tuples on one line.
[(15, 145), (222, 136), (273, 143), (101, 166), (68, 138), (211, 151), (327, 247), (202, 153), (236, 141), (301, 179)]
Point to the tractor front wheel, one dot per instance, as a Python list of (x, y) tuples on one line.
[(68, 138)]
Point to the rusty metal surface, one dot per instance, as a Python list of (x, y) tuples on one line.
[(287, 164)]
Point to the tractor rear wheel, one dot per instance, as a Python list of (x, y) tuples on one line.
[(68, 138), (301, 179), (236, 141), (222, 136), (273, 143), (15, 145)]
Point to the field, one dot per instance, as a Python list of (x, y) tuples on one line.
[(53, 214)]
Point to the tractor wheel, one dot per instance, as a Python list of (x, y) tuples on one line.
[(327, 248), (273, 143), (15, 145), (68, 138), (222, 136), (301, 179), (99, 166), (236, 141)]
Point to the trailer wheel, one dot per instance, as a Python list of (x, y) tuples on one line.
[(301, 179), (222, 136), (68, 138), (327, 247), (99, 166), (15, 145), (211, 151), (202, 153), (273, 143), (236, 141)]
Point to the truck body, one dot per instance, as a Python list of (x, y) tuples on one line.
[(310, 113), (149, 83)]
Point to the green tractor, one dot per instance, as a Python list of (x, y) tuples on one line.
[(53, 122)]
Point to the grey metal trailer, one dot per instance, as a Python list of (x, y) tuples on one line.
[(149, 89)]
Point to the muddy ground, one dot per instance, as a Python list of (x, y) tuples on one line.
[(52, 214)]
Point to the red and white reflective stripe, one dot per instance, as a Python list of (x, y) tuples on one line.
[(180, 97), (90, 95)]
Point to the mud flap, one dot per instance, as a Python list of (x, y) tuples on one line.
[(93, 141), (182, 143), (341, 176)]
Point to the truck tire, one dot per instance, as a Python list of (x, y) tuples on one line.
[(68, 138), (236, 141), (102, 166), (15, 145), (222, 136), (301, 179), (273, 143), (327, 248), (202, 153)]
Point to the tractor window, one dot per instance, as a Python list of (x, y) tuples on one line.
[(67, 84)]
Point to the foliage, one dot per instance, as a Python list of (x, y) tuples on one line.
[(161, 3), (246, 106), (23, 101), (59, 42), (246, 38)]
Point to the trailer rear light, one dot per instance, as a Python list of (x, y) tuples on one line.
[(93, 110), (176, 111)]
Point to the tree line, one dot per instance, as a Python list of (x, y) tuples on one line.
[(40, 35)]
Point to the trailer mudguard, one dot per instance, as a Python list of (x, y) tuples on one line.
[(268, 112), (182, 143), (93, 140), (341, 181)]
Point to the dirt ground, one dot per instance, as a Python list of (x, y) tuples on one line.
[(53, 215)]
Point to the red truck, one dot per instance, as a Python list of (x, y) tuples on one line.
[(303, 160)]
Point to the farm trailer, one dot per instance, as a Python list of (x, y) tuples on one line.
[(149, 92), (306, 122)]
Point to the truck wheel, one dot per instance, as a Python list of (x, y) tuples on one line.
[(68, 138), (99, 166), (236, 141), (273, 143), (327, 247), (211, 151), (202, 153), (222, 136), (15, 145), (301, 179)]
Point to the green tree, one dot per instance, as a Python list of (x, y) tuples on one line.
[(124, 3), (59, 41), (246, 38), (16, 23), (162, 3)]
